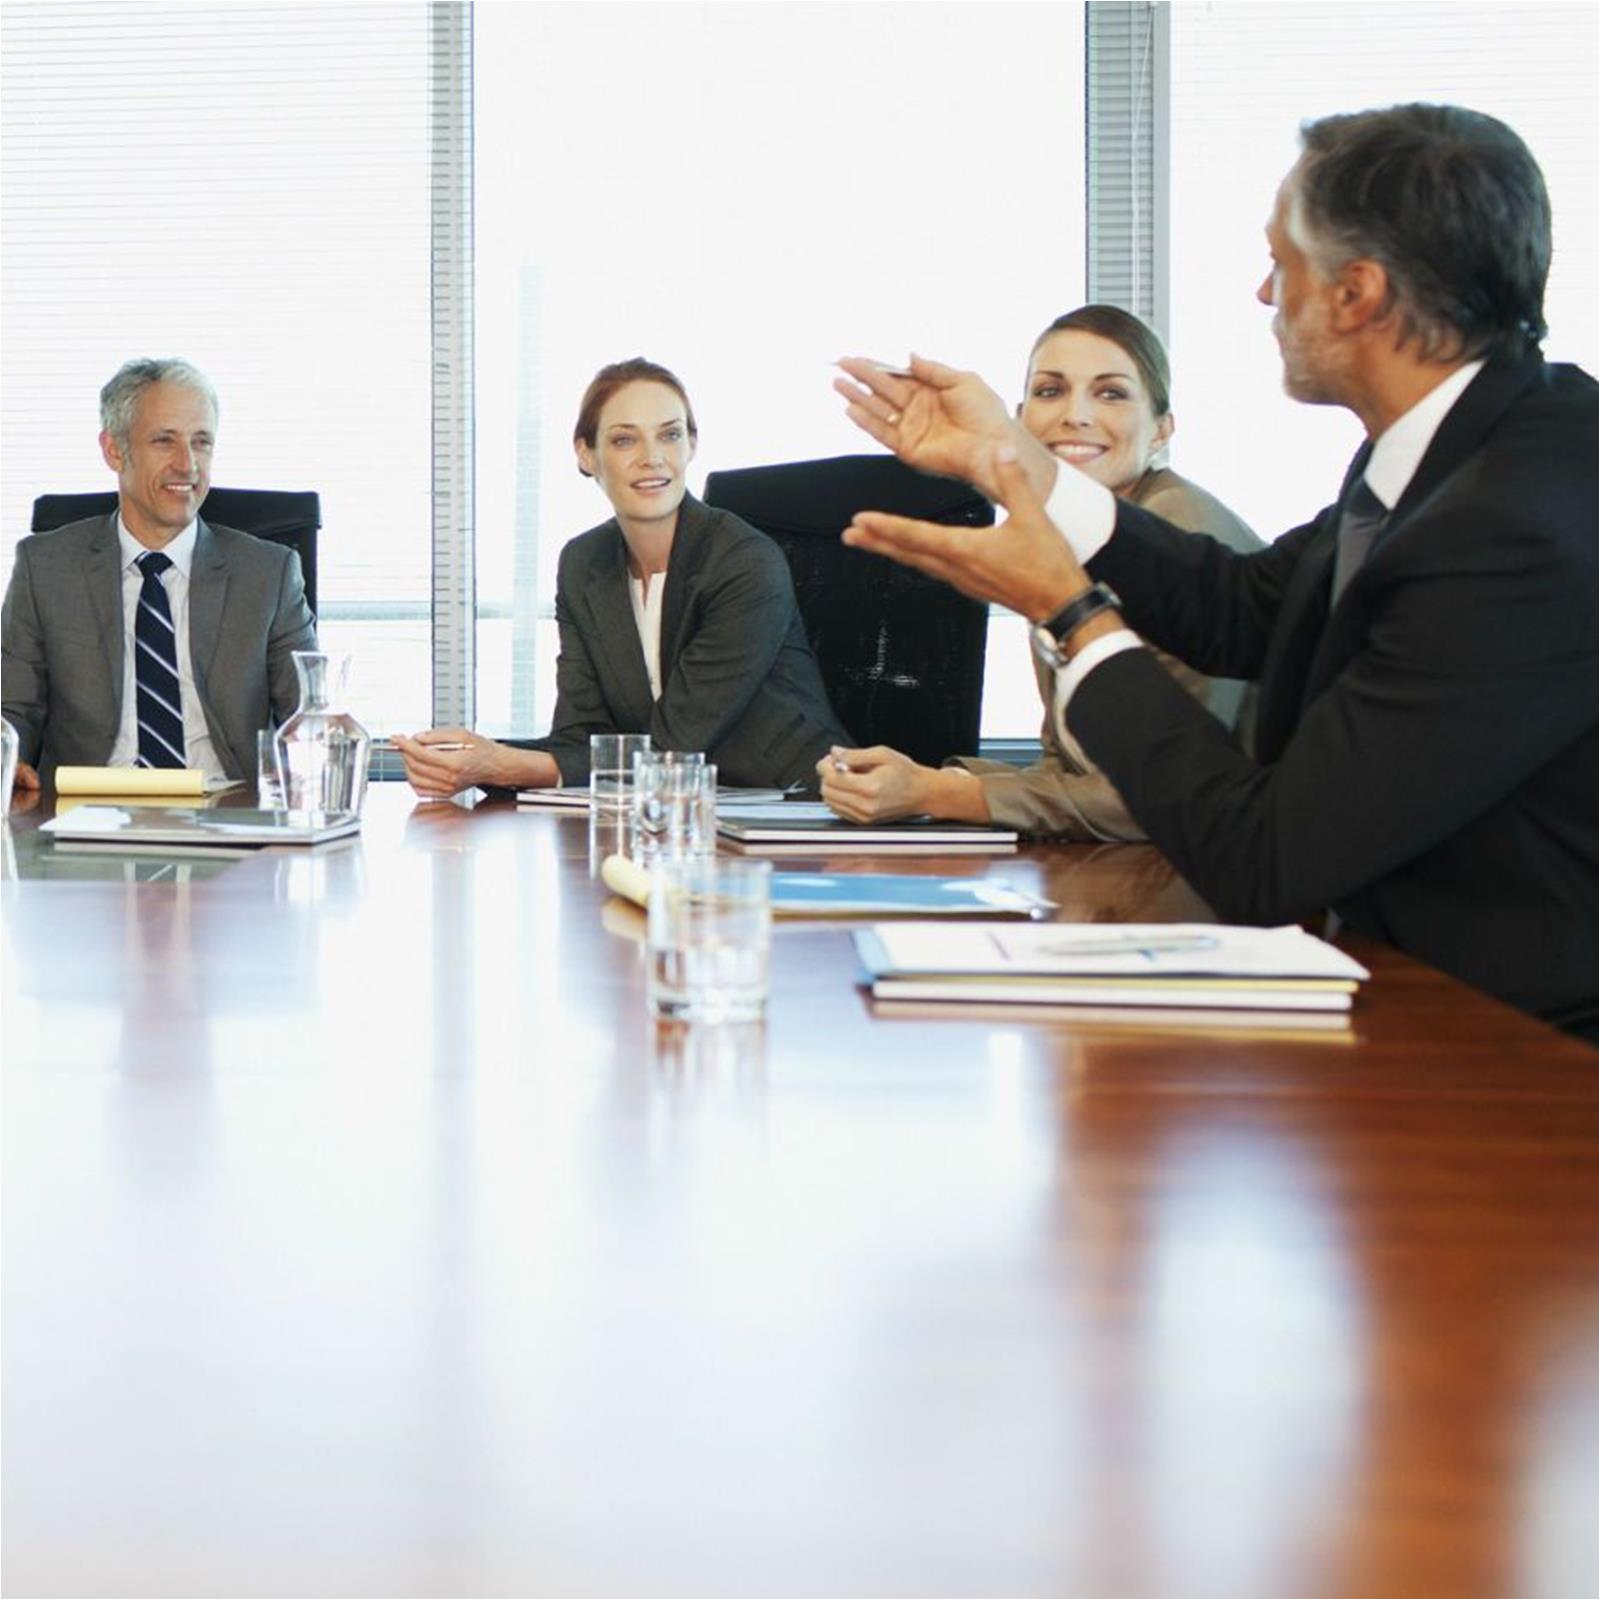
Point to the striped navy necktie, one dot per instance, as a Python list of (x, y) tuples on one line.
[(1359, 523), (155, 670)]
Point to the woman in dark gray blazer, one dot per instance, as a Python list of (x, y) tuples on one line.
[(675, 619)]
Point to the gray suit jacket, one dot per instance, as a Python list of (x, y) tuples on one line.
[(62, 630), (738, 679)]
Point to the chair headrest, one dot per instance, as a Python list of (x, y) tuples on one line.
[(823, 495)]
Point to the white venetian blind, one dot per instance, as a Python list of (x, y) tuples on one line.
[(745, 193), (1127, 199), (1243, 78), (247, 186)]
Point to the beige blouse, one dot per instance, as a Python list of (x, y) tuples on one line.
[(1053, 798)]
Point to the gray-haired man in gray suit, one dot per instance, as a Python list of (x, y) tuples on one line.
[(235, 604)]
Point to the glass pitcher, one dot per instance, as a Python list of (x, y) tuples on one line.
[(322, 750)]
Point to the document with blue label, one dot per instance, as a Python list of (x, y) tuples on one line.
[(1150, 964)]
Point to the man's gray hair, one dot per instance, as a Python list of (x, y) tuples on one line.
[(1453, 206), (119, 399)]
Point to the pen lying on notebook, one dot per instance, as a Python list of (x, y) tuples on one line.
[(1156, 945)]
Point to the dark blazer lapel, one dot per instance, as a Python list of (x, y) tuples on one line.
[(682, 575), (102, 573), (614, 632), (1487, 397), (1301, 627)]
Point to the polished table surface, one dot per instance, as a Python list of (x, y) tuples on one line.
[(363, 1237)]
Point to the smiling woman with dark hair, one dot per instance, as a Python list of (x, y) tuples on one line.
[(676, 620), (1099, 398)]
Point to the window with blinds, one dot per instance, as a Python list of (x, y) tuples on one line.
[(248, 186), (745, 193), (1243, 77), (1129, 47)]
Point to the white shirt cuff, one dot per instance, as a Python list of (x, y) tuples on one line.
[(1073, 673), (1083, 511)]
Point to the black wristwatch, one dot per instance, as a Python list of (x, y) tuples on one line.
[(1049, 637)]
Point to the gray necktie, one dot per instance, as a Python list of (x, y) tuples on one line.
[(1359, 523)]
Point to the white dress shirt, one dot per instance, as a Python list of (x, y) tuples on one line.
[(197, 750), (1396, 455), (1084, 513), (647, 617)]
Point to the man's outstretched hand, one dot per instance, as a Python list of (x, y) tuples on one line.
[(940, 420), (1023, 563)]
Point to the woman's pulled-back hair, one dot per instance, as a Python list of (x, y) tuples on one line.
[(610, 380)]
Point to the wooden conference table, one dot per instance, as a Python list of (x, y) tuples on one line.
[(362, 1237)]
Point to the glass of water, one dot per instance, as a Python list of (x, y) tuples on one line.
[(674, 805), (269, 791), (611, 758), (710, 938), (10, 745)]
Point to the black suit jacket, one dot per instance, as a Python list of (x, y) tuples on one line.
[(1428, 748), (738, 679)]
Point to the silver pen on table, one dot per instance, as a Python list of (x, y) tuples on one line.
[(1156, 945)]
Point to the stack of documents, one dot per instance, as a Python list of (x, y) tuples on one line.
[(811, 828), (1151, 965)]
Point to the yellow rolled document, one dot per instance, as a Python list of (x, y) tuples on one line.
[(185, 780), (626, 878)]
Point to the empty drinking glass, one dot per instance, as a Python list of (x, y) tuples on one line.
[(268, 790), (10, 746), (611, 772), (710, 938), (674, 805)]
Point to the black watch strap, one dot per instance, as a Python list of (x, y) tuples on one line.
[(1087, 605)]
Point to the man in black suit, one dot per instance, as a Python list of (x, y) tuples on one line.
[(1427, 752)]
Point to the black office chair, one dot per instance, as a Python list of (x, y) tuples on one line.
[(901, 654), (279, 517)]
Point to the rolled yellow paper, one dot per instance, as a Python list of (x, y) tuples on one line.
[(129, 780), (626, 878)]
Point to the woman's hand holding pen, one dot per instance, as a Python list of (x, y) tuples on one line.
[(882, 785), (445, 760)]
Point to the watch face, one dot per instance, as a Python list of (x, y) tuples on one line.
[(1049, 638), (1047, 647)]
